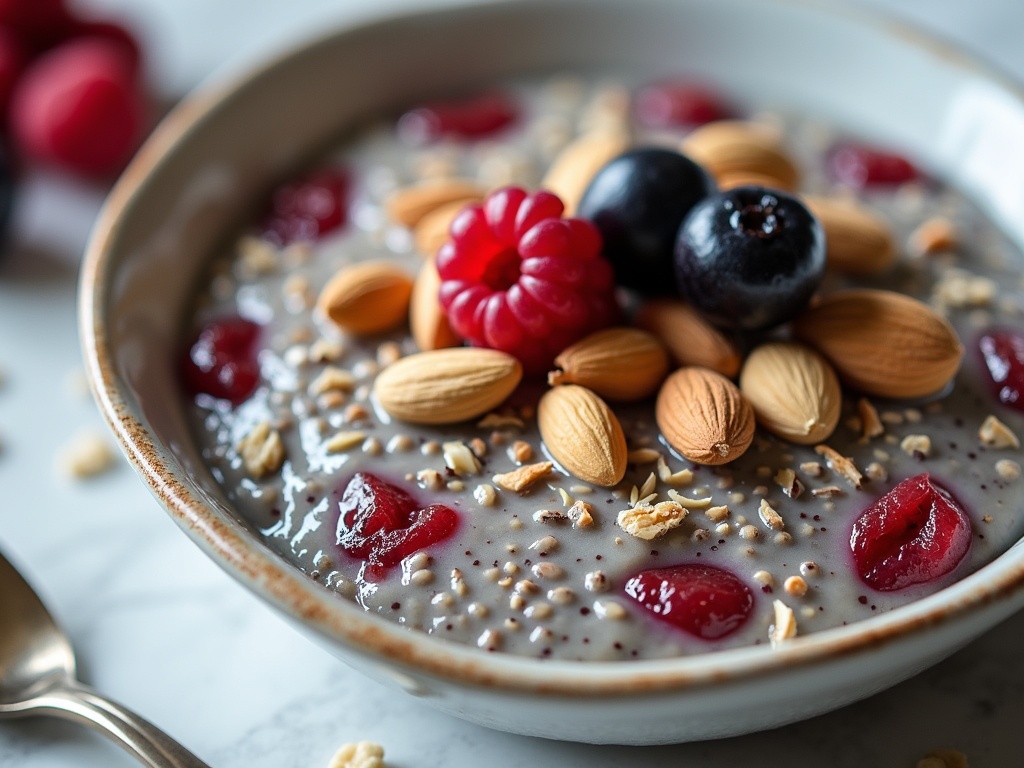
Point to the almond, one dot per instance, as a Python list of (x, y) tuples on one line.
[(617, 363), (575, 166), (366, 298), (427, 320), (432, 231), (703, 416), (883, 343), (727, 147), (408, 205), (446, 386), (859, 242), (793, 390), (582, 434), (690, 339)]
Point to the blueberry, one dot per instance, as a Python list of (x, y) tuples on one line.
[(638, 201), (749, 258)]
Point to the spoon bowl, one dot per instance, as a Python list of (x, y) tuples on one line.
[(38, 677)]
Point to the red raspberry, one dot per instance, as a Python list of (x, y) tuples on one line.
[(519, 278), (860, 166), (223, 360), (678, 104), (705, 601), (79, 107), (381, 523), (308, 208), (914, 534)]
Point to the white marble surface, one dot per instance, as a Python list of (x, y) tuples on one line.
[(160, 628)]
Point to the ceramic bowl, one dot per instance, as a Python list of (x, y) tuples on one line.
[(201, 173)]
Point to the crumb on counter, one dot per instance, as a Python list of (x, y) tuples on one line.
[(84, 455), (362, 754)]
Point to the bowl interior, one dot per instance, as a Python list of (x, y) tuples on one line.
[(209, 164)]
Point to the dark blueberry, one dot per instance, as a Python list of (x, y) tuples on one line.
[(638, 201), (749, 258)]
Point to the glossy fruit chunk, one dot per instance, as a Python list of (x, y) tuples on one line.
[(79, 107), (308, 208), (914, 534), (381, 523), (749, 258), (222, 360), (517, 277), (473, 118), (678, 104), (637, 201), (857, 165), (1002, 351), (703, 600)]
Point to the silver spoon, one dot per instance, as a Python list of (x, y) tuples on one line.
[(37, 677)]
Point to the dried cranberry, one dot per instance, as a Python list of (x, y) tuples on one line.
[(703, 600), (381, 523), (472, 118), (222, 360), (858, 166), (308, 208), (678, 104), (1002, 351), (915, 534)]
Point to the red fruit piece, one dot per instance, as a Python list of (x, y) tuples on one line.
[(13, 58), (381, 523), (914, 534), (519, 278), (703, 600), (37, 23), (472, 118), (79, 107), (308, 208), (223, 360), (678, 104), (1002, 351), (112, 32), (858, 166)]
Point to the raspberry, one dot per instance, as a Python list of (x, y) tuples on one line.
[(678, 104), (381, 523), (308, 208), (860, 166), (79, 107), (519, 278), (222, 360), (1002, 351), (473, 118), (914, 534), (703, 600)]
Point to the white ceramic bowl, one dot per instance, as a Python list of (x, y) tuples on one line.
[(220, 151)]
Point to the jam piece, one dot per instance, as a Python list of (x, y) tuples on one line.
[(858, 166), (308, 208), (703, 600), (222, 360), (915, 534), (678, 104), (380, 523), (473, 118), (1002, 351)]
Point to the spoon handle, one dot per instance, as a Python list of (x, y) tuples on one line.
[(81, 704)]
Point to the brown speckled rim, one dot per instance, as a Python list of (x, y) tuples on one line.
[(981, 599)]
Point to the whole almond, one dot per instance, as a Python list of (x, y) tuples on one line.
[(793, 390), (618, 363), (408, 205), (858, 241), (703, 416), (433, 230), (882, 343), (446, 386), (726, 147), (366, 298), (575, 166), (582, 434), (690, 339), (427, 320)]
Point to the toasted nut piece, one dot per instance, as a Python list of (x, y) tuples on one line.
[(573, 169), (583, 434), (690, 339), (727, 147), (617, 363), (367, 298), (409, 205), (857, 240)]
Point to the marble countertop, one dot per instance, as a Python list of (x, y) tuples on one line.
[(160, 628)]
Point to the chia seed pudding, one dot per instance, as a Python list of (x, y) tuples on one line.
[(539, 562)]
